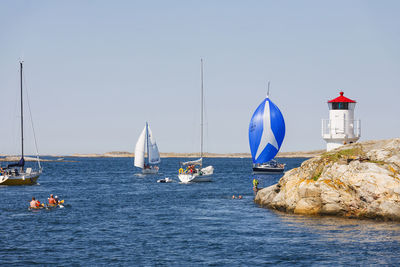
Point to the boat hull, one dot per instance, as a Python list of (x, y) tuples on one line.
[(268, 170), (194, 178), (47, 207), (23, 179), (150, 171)]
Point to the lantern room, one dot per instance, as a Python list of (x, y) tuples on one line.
[(341, 128), (341, 102)]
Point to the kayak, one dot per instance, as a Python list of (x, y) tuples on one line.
[(49, 206)]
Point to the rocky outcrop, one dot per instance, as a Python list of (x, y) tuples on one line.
[(361, 180)]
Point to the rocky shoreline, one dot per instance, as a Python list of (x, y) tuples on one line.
[(360, 180)]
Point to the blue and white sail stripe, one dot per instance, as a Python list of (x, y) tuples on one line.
[(266, 132)]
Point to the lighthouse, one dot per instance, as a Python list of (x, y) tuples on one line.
[(340, 128)]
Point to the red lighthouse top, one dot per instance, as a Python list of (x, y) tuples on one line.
[(342, 99)]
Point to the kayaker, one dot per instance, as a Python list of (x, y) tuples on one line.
[(56, 199), (52, 201), (34, 203)]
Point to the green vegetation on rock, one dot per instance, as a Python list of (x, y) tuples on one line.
[(351, 153)]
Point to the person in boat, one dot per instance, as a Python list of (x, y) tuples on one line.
[(34, 203), (52, 200), (56, 199), (192, 169)]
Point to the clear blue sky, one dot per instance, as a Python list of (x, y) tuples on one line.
[(97, 70)]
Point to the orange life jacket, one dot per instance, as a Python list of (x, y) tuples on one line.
[(52, 201)]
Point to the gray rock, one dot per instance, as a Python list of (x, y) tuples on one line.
[(360, 180)]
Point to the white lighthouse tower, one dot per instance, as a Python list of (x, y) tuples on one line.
[(340, 128)]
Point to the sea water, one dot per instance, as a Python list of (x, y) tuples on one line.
[(115, 216)]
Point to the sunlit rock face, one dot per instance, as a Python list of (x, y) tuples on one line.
[(359, 180)]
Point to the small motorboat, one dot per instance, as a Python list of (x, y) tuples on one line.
[(165, 180)]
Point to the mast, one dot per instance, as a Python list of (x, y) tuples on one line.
[(201, 116), (22, 115), (147, 143)]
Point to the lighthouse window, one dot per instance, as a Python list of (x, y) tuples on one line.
[(340, 105)]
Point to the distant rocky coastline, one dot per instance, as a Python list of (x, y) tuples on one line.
[(360, 180), (122, 154), (17, 158), (116, 154)]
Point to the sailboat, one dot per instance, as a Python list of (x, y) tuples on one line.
[(147, 142), (193, 171), (266, 134), (15, 173)]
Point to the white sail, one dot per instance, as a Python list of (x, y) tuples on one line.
[(139, 149), (154, 155)]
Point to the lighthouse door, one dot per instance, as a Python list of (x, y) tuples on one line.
[(339, 123)]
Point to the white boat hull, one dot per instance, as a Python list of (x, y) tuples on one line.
[(197, 177)]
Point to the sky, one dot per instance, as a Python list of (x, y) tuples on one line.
[(96, 71)]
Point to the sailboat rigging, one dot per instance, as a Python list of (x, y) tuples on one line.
[(147, 141), (193, 171), (11, 175)]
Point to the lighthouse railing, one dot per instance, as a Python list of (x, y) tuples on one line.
[(357, 128), (349, 128), (326, 127)]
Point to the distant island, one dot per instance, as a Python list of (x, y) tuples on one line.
[(120, 154), (123, 154)]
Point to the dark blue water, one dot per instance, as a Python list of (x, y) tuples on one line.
[(115, 217)]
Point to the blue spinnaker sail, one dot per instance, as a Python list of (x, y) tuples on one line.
[(266, 132)]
